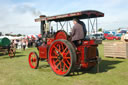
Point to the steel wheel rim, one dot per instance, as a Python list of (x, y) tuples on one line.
[(32, 60), (60, 58)]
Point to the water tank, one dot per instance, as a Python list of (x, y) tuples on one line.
[(4, 42)]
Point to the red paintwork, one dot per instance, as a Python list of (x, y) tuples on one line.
[(43, 51), (91, 42), (105, 34), (117, 38), (50, 40), (112, 37), (82, 56), (61, 35), (55, 63)]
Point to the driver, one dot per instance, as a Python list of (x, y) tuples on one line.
[(77, 32)]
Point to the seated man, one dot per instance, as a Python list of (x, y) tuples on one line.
[(77, 32), (84, 27)]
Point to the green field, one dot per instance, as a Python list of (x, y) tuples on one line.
[(16, 71)]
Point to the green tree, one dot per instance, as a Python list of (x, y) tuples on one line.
[(100, 29), (19, 34), (0, 33)]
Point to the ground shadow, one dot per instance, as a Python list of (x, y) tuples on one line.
[(104, 66), (16, 56), (17, 52), (2, 54), (6, 56), (44, 66), (19, 55)]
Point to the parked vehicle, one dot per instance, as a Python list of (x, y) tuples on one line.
[(123, 31), (112, 37), (97, 36), (126, 37), (119, 34)]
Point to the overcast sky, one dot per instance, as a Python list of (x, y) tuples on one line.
[(18, 16)]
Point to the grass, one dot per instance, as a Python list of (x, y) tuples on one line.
[(16, 71)]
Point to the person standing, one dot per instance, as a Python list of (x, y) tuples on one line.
[(24, 44), (19, 44)]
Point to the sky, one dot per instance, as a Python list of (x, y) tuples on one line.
[(17, 16)]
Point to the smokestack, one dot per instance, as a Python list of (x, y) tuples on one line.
[(41, 16)]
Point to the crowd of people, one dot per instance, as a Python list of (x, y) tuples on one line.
[(26, 43)]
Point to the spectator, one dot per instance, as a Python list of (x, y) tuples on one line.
[(19, 44), (15, 43), (24, 44)]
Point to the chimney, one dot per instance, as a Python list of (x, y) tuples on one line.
[(41, 16)]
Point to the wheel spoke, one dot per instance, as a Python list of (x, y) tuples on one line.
[(56, 61), (62, 47), (67, 58), (67, 53), (68, 62), (59, 47), (58, 64), (65, 64), (55, 53), (63, 67), (35, 63), (53, 57), (56, 49), (65, 50)]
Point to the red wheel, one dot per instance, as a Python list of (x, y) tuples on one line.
[(11, 53), (61, 34), (62, 57), (33, 60)]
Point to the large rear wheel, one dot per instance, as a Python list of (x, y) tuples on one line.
[(62, 57)]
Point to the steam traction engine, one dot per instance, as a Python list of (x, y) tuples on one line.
[(57, 48), (7, 47)]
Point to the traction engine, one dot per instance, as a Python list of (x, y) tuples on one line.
[(58, 49)]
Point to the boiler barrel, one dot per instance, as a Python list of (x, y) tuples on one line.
[(4, 42)]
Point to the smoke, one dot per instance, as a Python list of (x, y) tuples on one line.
[(27, 8), (36, 12)]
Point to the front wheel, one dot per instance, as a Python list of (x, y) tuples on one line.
[(62, 57), (33, 60)]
